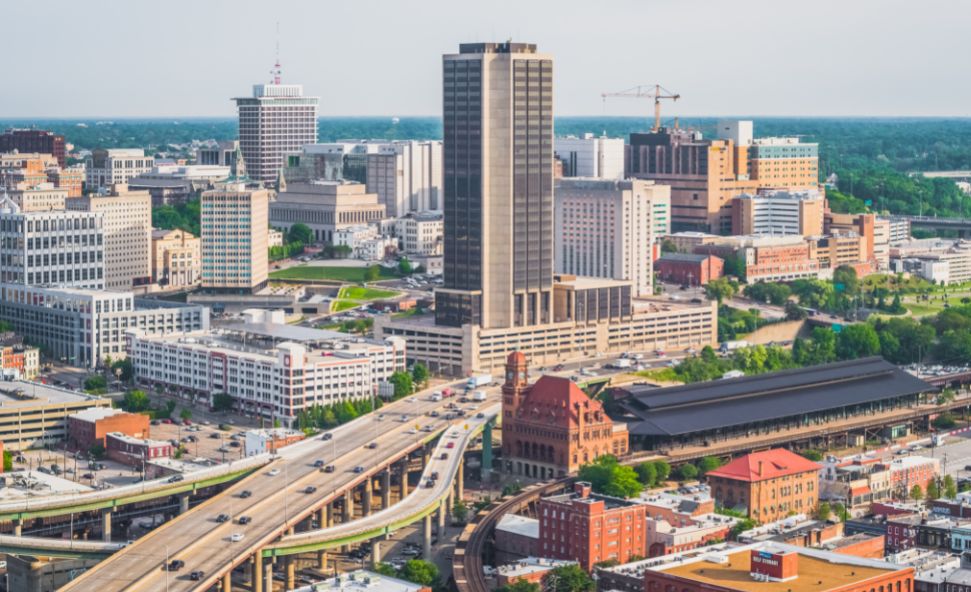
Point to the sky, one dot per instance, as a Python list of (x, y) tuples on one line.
[(180, 58)]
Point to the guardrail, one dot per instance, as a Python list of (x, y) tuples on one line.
[(418, 504), (56, 547), (92, 500)]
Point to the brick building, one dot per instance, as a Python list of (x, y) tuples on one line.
[(34, 140), (693, 269), (517, 537), (767, 485), (590, 528), (552, 427), (92, 426), (530, 569), (134, 451)]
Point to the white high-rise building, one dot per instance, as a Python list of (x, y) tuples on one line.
[(276, 121), (590, 156), (234, 239), (59, 248), (104, 168), (607, 229)]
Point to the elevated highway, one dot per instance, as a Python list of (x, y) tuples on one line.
[(291, 494)]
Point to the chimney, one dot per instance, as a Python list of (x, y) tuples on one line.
[(760, 468), (582, 489)]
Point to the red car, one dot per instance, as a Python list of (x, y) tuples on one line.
[(450, 445)]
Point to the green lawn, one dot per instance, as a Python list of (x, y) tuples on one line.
[(665, 374), (362, 293), (343, 274), (340, 305)]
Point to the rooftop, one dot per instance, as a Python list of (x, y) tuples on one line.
[(362, 580), (96, 413), (692, 257), (23, 394), (531, 565), (737, 401), (817, 570), (767, 464), (519, 525)]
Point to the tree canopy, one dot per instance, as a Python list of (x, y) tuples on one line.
[(608, 477)]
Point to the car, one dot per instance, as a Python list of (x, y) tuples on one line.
[(411, 431), (234, 443), (381, 417), (429, 428), (273, 472), (318, 463), (176, 565), (222, 518), (176, 478), (245, 493), (244, 520), (433, 413), (450, 445), (479, 415), (327, 436), (87, 476), (214, 436), (196, 575), (444, 456), (358, 469), (236, 537), (328, 469), (372, 445), (403, 418), (310, 489), (430, 483)]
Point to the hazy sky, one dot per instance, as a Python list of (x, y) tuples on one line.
[(103, 58)]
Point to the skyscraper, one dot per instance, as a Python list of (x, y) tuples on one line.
[(234, 252), (498, 189), (276, 121)]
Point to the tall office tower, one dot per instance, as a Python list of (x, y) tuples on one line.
[(234, 233), (128, 234), (63, 248), (34, 140), (276, 121), (606, 229), (407, 176), (591, 156), (498, 198)]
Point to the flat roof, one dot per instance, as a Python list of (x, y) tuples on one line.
[(531, 565), (737, 401), (520, 525), (364, 580), (34, 394), (96, 413)]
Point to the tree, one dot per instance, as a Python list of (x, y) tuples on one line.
[(823, 511), (126, 369), (404, 266), (373, 273), (646, 473), (420, 572), (185, 414), (777, 294), (7, 461), (222, 402), (741, 526), (794, 312), (96, 383), (720, 289), (845, 280), (608, 477), (668, 246), (857, 341), (708, 463), (300, 233), (520, 586), (813, 455), (419, 374), (386, 569), (944, 421), (97, 451), (460, 512), (568, 578), (933, 490), (135, 401), (403, 384), (916, 493), (950, 487), (663, 471), (687, 472)]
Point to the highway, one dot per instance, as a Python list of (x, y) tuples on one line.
[(277, 501)]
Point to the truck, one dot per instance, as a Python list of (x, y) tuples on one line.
[(729, 346), (447, 392), (621, 363), (479, 396), (478, 380), (436, 396)]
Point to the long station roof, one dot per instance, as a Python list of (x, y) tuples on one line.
[(737, 401)]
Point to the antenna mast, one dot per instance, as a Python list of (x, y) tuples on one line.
[(277, 70)]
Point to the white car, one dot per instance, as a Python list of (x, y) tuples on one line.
[(412, 432), (273, 472), (236, 537)]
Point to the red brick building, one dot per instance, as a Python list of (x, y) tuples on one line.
[(33, 140), (589, 528), (552, 427), (768, 485), (92, 426), (133, 451), (693, 269)]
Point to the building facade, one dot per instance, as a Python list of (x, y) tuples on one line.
[(498, 199), (406, 176), (127, 223), (590, 156), (767, 485), (83, 327), (552, 427), (234, 224), (34, 140), (778, 212), (44, 197), (606, 229), (421, 233), (91, 426), (689, 269), (54, 248), (36, 415), (176, 258), (276, 121), (325, 207), (104, 168)]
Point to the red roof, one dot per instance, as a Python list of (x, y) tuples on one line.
[(557, 401), (767, 464)]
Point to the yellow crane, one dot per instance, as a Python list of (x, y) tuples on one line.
[(656, 92)]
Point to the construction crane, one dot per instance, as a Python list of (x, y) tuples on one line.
[(656, 92)]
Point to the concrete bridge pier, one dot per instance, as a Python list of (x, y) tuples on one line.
[(386, 489), (322, 560), (329, 515), (366, 497), (460, 480), (440, 526), (227, 583), (18, 527), (268, 576), (348, 514), (486, 451), (291, 563), (426, 539), (183, 503), (257, 572), (375, 553), (106, 525), (404, 480)]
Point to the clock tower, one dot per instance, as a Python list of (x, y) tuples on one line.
[(515, 384)]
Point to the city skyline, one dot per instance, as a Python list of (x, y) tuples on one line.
[(841, 61)]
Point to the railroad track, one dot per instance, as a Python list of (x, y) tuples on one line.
[(470, 548)]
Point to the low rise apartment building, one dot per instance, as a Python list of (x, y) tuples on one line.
[(19, 361), (679, 522), (864, 481), (270, 369)]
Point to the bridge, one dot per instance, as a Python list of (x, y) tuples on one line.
[(961, 225), (294, 506)]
